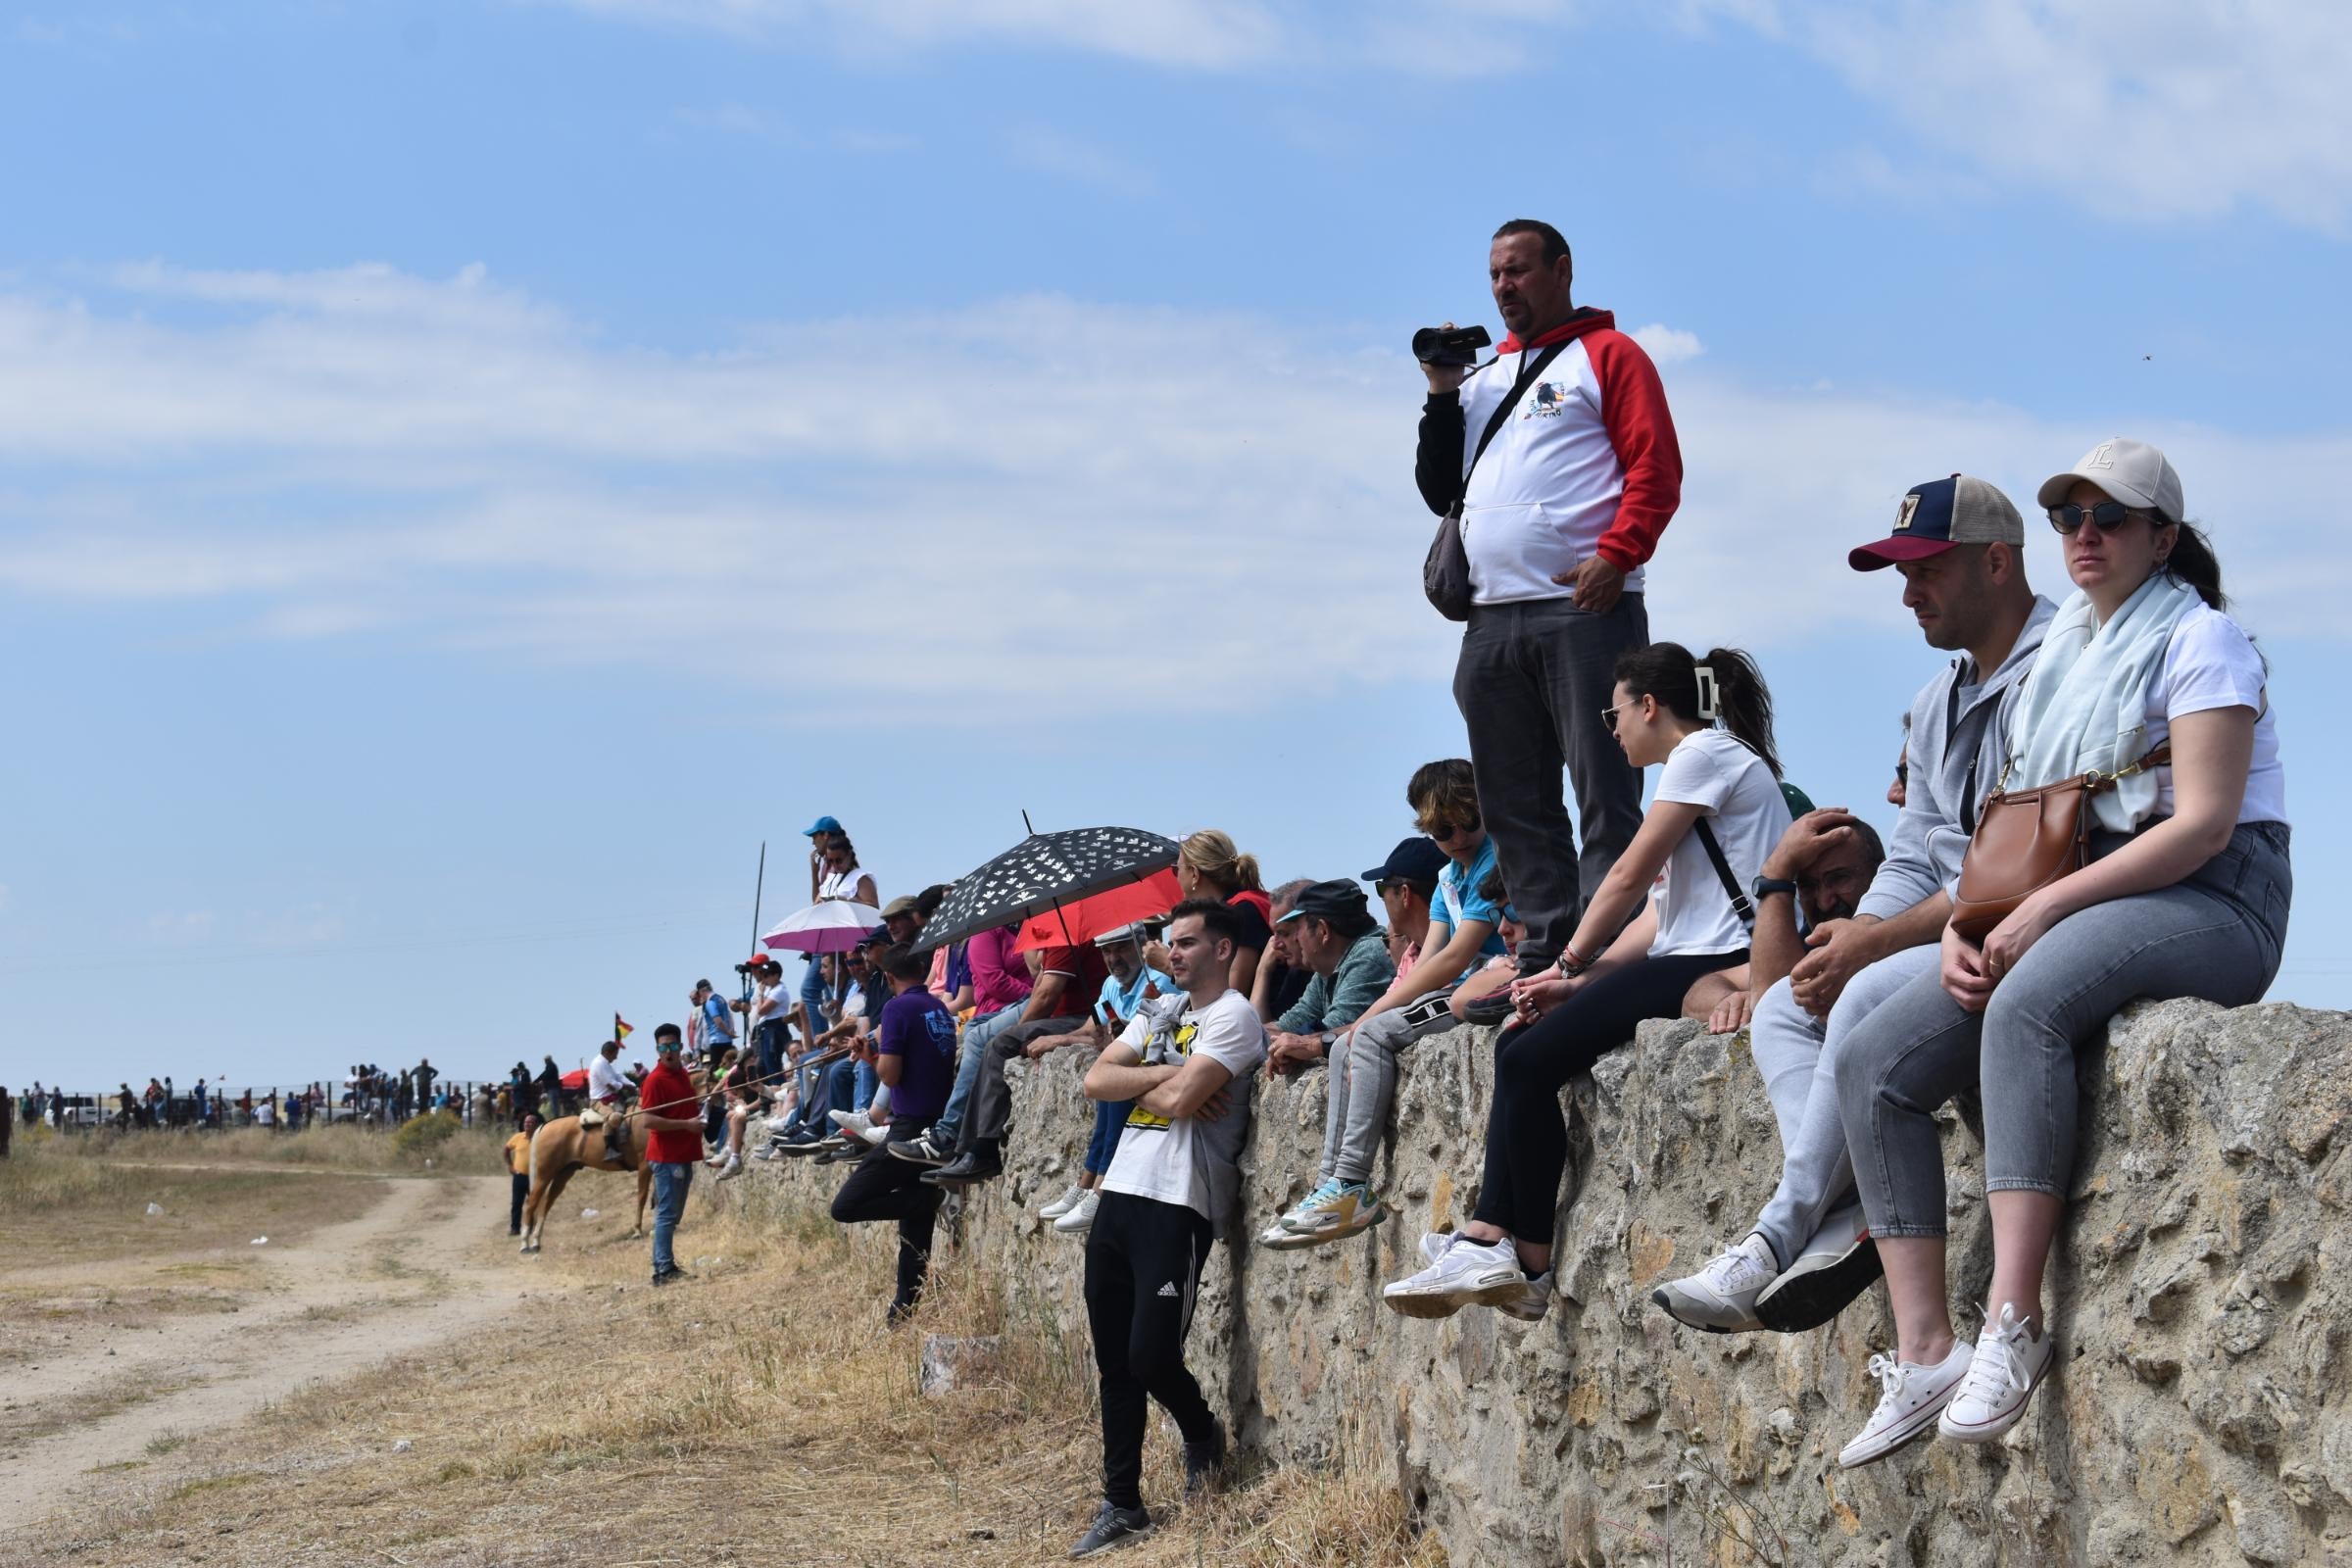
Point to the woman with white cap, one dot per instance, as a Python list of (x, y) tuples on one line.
[(2184, 893)]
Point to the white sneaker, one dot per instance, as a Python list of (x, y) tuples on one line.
[(730, 1170), (2013, 1357), (1336, 1209), (876, 1136), (1081, 1217), (1467, 1273), (1065, 1204), (717, 1159), (1720, 1298), (781, 1123), (1910, 1396), (856, 1123), (1532, 1303)]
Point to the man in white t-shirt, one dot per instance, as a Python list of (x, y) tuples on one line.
[(1186, 1062), (608, 1087)]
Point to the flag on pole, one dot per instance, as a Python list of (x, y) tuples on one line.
[(620, 1027)]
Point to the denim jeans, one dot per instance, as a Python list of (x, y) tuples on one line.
[(1109, 1121), (2216, 934), (1797, 1055), (670, 1183), (976, 1036)]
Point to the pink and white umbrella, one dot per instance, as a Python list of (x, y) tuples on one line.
[(835, 925)]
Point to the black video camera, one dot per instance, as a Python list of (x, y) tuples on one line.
[(1453, 347)]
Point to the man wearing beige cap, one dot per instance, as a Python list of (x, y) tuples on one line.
[(1959, 545)]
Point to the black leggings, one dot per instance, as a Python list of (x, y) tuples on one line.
[(1527, 1134), (881, 1187), (1142, 1264)]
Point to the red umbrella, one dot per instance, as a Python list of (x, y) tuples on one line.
[(1076, 924), (575, 1078)]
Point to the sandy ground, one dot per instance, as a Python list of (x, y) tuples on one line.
[(398, 1278)]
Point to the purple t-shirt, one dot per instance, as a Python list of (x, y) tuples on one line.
[(999, 975), (918, 1029)]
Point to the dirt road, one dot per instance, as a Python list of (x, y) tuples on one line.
[(401, 1277)]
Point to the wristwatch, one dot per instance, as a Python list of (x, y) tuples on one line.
[(1325, 1039), (1766, 886)]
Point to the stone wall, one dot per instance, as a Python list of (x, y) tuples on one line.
[(2199, 1414)]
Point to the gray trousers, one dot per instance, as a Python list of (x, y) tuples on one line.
[(1363, 1084), (1532, 682), (1796, 1056), (2216, 934)]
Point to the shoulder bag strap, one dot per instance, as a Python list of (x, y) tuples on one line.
[(1740, 906), (1528, 371)]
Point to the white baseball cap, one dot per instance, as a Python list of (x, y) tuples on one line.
[(2132, 472)]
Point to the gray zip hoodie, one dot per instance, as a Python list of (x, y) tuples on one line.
[(1958, 729)]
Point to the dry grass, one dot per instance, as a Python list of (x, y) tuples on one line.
[(468, 1152), (60, 1205), (758, 1412)]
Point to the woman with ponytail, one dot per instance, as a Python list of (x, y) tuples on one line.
[(2185, 894), (1209, 866), (1719, 811)]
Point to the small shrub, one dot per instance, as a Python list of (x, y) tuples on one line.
[(420, 1136)]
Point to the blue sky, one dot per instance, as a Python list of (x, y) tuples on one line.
[(470, 472)]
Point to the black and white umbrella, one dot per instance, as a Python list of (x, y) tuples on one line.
[(1041, 871)]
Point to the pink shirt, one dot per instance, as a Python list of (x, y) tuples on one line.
[(999, 975)]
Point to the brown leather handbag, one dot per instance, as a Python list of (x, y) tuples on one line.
[(2028, 839)]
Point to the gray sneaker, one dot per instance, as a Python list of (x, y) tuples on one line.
[(1112, 1527), (1530, 1304)]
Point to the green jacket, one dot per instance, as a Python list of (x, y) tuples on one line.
[(1365, 972)]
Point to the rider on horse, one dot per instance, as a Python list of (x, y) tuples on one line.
[(608, 1092)]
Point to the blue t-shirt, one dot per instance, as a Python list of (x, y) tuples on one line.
[(918, 1029), (718, 1023), (1459, 901), (1124, 1000)]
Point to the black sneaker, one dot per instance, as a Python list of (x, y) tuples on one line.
[(1112, 1527), (840, 1154), (1487, 1010), (1203, 1465), (919, 1150), (671, 1276), (1837, 1266), (797, 1147), (965, 1170)]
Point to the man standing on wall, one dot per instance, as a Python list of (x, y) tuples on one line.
[(1579, 475)]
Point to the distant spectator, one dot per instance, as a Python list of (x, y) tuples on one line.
[(517, 1154), (673, 1143), (1001, 986), (1209, 866), (914, 1053), (1129, 985), (718, 1022), (1827, 860), (1407, 885), (1898, 793), (1281, 978)]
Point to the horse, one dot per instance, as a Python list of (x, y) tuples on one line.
[(564, 1146)]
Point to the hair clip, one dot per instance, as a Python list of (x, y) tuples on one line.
[(1710, 696)]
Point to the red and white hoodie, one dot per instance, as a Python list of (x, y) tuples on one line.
[(1587, 464)]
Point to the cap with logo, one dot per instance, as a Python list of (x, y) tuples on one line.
[(1942, 513), (1414, 859), (823, 825), (2130, 472), (1329, 901)]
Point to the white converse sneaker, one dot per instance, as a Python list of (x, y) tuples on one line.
[(2013, 1357), (1467, 1273), (1081, 1217), (1720, 1298), (1065, 1204), (1910, 1396)]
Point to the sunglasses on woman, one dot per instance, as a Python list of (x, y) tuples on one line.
[(2108, 515)]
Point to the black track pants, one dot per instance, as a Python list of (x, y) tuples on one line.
[(1142, 1264)]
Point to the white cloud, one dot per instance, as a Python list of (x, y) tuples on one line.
[(1210, 33), (1667, 345), (2149, 110), (1020, 488)]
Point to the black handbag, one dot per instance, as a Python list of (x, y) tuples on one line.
[(1446, 569)]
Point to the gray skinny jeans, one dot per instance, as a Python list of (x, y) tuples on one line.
[(2216, 935), (1797, 1055), (1532, 682), (1363, 1083)]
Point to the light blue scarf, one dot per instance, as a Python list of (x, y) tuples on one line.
[(2085, 701)]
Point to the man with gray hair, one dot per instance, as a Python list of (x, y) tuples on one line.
[(1959, 545)]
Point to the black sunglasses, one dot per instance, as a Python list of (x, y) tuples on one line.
[(2108, 515)]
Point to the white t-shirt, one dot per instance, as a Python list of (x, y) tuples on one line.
[(1744, 803), (1191, 1162), (2211, 663), (604, 1078)]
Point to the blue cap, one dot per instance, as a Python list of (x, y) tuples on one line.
[(823, 825)]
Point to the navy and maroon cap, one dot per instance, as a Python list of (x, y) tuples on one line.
[(1942, 513)]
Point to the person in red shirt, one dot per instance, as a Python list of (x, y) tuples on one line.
[(672, 1113)]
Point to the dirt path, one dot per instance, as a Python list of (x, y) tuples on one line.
[(397, 1279)]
